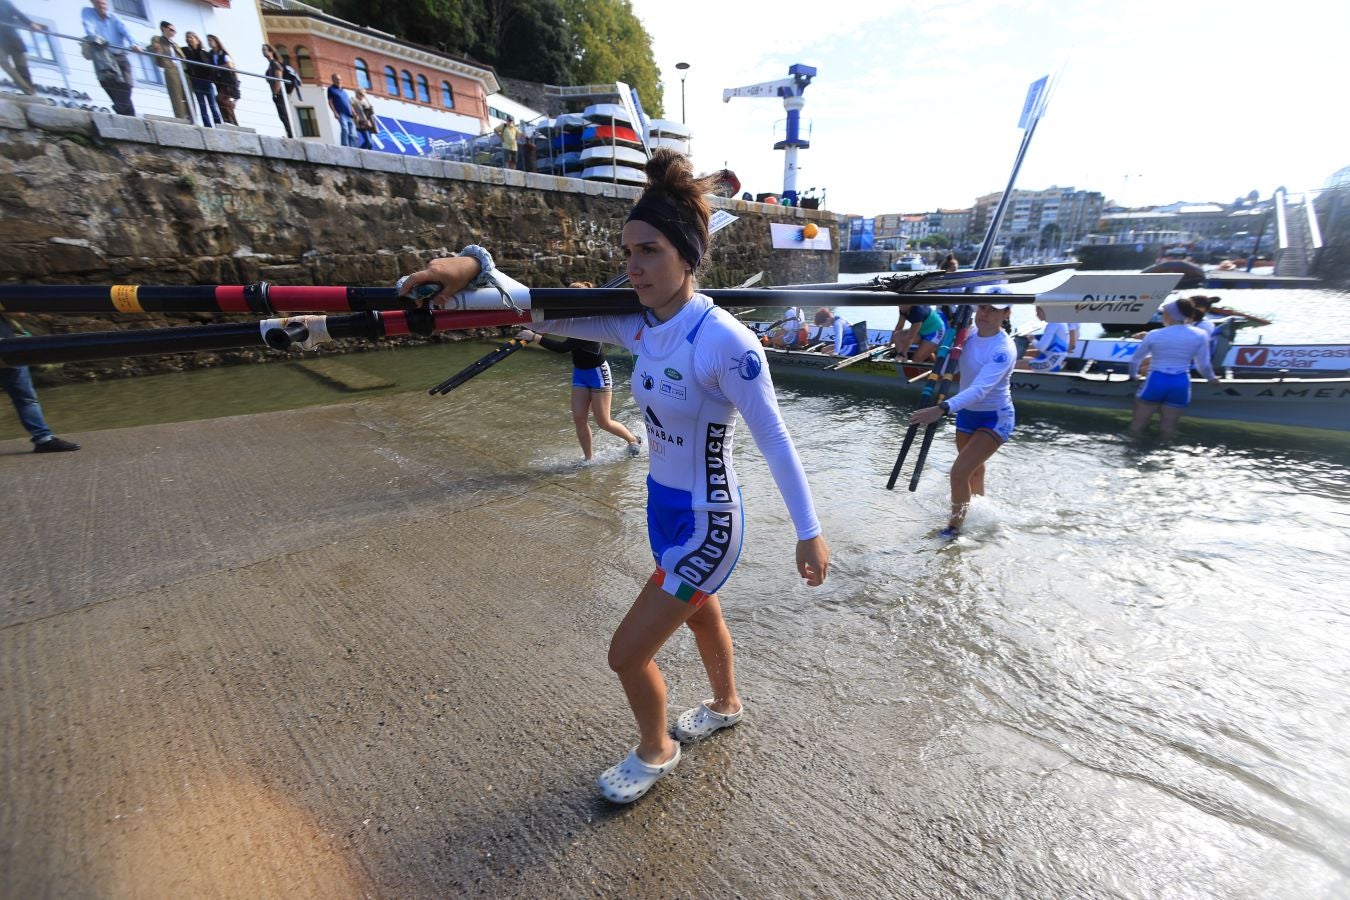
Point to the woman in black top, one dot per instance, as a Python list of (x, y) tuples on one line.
[(227, 82), (592, 389), (202, 78)]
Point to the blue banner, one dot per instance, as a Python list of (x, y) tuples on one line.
[(414, 138)]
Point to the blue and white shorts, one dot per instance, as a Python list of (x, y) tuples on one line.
[(597, 379), (998, 422), (695, 549), (1047, 362), (1167, 388)]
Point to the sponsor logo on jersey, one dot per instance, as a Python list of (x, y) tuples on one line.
[(647, 382), (715, 465), (1002, 357), (657, 432), (673, 391), (748, 365), (673, 374)]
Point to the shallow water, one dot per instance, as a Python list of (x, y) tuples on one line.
[(1157, 627)]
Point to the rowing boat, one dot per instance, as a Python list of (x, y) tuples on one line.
[(1255, 389)]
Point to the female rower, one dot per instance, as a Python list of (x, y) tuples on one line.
[(926, 325), (592, 386), (1051, 348), (792, 333), (845, 342), (983, 407), (1173, 349), (697, 367)]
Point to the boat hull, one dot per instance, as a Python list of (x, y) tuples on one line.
[(1320, 403)]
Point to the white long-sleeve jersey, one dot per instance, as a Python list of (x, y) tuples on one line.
[(1174, 350), (986, 373), (691, 376)]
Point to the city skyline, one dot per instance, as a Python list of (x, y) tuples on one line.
[(915, 107)]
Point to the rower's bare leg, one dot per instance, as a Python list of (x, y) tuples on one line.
[(968, 470), (1143, 412), (715, 649), (927, 350), (650, 622), (600, 405), (581, 411), (1167, 422)]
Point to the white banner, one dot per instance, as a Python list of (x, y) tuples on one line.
[(790, 237)]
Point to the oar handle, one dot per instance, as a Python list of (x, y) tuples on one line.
[(923, 456), (900, 458)]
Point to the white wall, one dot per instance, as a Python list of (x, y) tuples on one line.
[(239, 29)]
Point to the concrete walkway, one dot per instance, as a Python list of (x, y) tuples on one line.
[(296, 654)]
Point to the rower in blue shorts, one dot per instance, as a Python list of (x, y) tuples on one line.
[(922, 323), (1172, 350), (592, 388), (983, 407)]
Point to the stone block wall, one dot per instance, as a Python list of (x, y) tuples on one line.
[(94, 198)]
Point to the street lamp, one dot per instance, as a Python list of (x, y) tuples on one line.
[(684, 68)]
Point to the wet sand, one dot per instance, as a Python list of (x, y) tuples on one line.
[(311, 654)]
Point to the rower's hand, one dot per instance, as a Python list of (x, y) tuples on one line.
[(813, 560), (527, 335), (452, 273), (926, 416), (1214, 381)]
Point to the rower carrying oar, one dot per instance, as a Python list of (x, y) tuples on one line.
[(949, 351)]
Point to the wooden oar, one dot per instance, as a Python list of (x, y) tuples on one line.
[(858, 357)]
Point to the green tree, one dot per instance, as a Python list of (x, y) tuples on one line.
[(529, 40), (453, 26), (609, 44)]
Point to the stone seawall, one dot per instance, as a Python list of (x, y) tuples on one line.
[(92, 198)]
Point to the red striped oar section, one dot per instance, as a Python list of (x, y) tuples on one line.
[(278, 334)]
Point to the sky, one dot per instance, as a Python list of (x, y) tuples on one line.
[(916, 102)]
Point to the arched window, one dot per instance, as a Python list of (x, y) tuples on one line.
[(447, 95), (304, 63), (408, 85), (423, 91), (391, 81), (362, 74)]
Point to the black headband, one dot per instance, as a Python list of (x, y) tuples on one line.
[(664, 216)]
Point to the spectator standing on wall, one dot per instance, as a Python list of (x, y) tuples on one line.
[(364, 114), (280, 85), (510, 137), (106, 42), (13, 54), (18, 383), (341, 105), (226, 80), (170, 59), (201, 78), (527, 149)]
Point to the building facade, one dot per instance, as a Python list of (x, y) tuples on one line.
[(425, 101)]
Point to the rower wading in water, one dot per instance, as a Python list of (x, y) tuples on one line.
[(592, 386), (695, 369), (1172, 350), (984, 410)]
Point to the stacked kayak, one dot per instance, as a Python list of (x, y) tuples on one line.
[(671, 135), (611, 148)]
